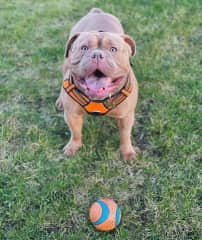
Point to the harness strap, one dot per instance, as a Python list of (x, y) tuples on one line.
[(97, 107)]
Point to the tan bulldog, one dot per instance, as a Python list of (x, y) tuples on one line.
[(98, 78)]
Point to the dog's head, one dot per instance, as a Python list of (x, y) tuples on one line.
[(99, 62)]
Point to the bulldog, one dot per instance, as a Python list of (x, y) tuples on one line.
[(98, 78)]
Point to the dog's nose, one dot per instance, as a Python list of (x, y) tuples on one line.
[(97, 54)]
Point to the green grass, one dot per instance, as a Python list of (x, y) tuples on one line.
[(44, 195)]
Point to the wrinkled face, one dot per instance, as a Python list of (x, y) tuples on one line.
[(99, 62)]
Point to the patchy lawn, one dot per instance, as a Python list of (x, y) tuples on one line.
[(44, 195)]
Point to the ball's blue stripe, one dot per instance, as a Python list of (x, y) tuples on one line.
[(118, 216), (105, 213)]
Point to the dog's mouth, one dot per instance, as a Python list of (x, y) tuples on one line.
[(97, 85), (99, 74)]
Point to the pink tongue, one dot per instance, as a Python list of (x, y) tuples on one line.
[(96, 84)]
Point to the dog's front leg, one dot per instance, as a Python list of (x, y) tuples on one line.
[(75, 123), (125, 127)]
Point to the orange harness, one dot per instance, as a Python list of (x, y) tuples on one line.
[(97, 107)]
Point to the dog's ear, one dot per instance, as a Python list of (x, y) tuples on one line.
[(69, 44), (131, 43)]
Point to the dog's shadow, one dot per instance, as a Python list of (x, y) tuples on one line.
[(100, 133)]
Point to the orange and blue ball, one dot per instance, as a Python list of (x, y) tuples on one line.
[(105, 214)]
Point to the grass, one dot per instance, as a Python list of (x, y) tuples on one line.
[(44, 195)]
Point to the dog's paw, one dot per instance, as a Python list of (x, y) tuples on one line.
[(129, 153), (59, 104), (71, 148)]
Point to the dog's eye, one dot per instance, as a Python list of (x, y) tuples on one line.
[(85, 48), (114, 49)]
